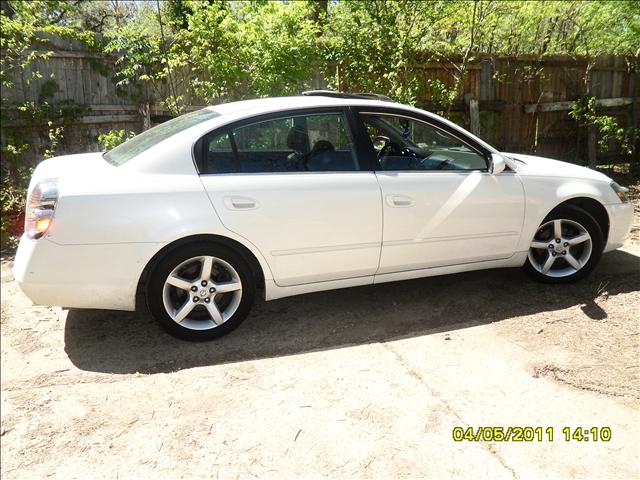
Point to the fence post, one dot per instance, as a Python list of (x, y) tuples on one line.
[(145, 112), (591, 146), (474, 115)]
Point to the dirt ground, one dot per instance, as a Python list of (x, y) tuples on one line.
[(365, 382)]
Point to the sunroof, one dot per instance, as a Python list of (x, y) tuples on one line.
[(355, 95)]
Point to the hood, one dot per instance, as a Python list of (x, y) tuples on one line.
[(529, 165)]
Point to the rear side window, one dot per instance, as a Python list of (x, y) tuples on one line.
[(296, 143), (219, 152)]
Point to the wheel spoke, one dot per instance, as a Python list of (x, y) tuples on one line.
[(548, 263), (573, 261), (205, 271), (214, 312), (557, 228), (540, 245), (179, 282), (579, 239), (226, 287), (184, 310)]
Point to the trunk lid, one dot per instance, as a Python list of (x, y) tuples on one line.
[(81, 165)]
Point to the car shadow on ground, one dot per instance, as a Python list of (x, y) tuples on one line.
[(127, 342)]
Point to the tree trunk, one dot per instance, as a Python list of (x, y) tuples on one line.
[(319, 10)]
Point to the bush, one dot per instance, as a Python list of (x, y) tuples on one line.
[(114, 138), (13, 189)]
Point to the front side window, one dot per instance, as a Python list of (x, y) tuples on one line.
[(407, 144), (294, 143)]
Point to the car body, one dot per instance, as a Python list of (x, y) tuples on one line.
[(387, 192)]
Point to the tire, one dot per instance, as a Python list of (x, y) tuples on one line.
[(562, 259), (201, 291)]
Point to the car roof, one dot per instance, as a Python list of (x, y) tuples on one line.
[(301, 101)]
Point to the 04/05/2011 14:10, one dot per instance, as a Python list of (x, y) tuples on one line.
[(530, 434)]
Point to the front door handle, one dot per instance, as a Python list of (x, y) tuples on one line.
[(240, 203), (400, 201)]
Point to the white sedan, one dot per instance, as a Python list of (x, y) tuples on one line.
[(295, 195)]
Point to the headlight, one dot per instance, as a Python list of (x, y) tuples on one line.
[(40, 207), (621, 192)]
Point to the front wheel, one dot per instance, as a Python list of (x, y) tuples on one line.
[(566, 247), (201, 291)]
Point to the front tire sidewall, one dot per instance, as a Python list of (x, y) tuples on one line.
[(160, 273), (597, 240)]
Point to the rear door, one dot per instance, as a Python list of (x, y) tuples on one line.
[(441, 206), (292, 184)]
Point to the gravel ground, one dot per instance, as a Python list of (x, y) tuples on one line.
[(365, 382)]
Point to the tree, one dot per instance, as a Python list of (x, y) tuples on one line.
[(375, 45), (250, 49)]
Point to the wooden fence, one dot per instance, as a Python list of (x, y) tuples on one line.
[(519, 104), (524, 103)]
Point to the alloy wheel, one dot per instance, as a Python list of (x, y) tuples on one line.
[(560, 247), (202, 293)]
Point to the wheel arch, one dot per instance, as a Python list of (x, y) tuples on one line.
[(592, 207), (253, 261)]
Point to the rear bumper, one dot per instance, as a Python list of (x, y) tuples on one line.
[(81, 276), (620, 220)]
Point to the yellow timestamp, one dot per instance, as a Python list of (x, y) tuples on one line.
[(530, 434)]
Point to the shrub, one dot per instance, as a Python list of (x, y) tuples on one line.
[(114, 138)]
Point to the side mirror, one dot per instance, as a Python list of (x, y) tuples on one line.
[(497, 164)]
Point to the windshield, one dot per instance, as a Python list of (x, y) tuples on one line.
[(138, 144)]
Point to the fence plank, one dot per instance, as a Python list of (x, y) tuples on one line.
[(561, 106), (487, 86), (474, 115), (591, 146)]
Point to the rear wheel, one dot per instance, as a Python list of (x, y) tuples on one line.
[(201, 291), (566, 247)]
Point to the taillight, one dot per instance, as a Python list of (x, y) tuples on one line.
[(40, 207)]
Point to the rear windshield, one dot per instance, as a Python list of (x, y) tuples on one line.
[(138, 144)]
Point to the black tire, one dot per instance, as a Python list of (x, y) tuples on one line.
[(156, 283), (587, 221)]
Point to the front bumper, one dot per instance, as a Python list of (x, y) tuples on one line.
[(620, 220), (81, 276)]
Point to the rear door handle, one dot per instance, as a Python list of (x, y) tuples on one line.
[(240, 203), (400, 201)]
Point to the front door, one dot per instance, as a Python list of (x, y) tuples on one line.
[(440, 205), (292, 185)]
